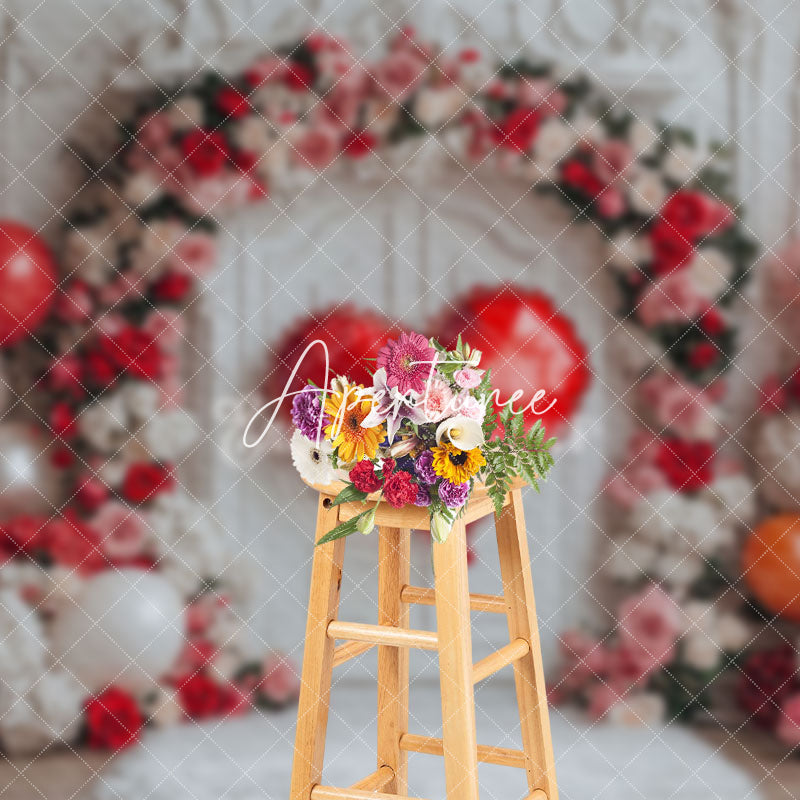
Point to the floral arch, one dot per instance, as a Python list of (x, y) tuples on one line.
[(141, 240)]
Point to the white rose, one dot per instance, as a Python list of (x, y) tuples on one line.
[(642, 138), (254, 135), (732, 633), (142, 399), (160, 707), (631, 347), (553, 142), (681, 162), (710, 271), (103, 424), (777, 453), (225, 665), (58, 697), (434, 108), (627, 250), (141, 188), (640, 708), (633, 558), (88, 254), (158, 240), (699, 615), (701, 651), (735, 496), (647, 192), (185, 113), (61, 587), (112, 472), (588, 129)]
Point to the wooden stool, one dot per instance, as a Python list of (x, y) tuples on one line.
[(453, 642)]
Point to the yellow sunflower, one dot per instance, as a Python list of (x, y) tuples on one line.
[(347, 410), (457, 466)]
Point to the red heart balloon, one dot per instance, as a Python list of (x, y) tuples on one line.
[(526, 343), (27, 281)]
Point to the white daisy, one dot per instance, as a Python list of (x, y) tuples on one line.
[(312, 462)]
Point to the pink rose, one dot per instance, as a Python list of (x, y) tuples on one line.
[(399, 73), (111, 323), (75, 303), (585, 659), (671, 299), (602, 698), (280, 684), (167, 326), (542, 94), (154, 131), (610, 203), (194, 254), (611, 160), (341, 106), (788, 730), (468, 378), (641, 474), (649, 625), (201, 613), (470, 407), (122, 532), (686, 410), (265, 70), (317, 147)]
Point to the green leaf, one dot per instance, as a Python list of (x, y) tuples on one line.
[(344, 529), (348, 495)]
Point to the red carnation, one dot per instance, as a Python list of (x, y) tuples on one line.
[(134, 351), (144, 481), (299, 77), (232, 103), (387, 467), (364, 478), (202, 697), (686, 465), (576, 175), (205, 151), (62, 420), (359, 144), (172, 288), (518, 130), (113, 720), (399, 490), (767, 678), (672, 248), (703, 355)]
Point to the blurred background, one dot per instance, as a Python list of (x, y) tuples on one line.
[(601, 194)]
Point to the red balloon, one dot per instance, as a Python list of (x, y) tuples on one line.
[(353, 335), (27, 281), (526, 343)]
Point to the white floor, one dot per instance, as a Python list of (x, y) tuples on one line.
[(250, 758)]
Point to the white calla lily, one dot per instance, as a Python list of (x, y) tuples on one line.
[(462, 432)]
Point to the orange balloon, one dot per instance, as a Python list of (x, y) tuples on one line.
[(771, 565)]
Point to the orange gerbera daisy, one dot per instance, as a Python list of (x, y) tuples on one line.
[(347, 410)]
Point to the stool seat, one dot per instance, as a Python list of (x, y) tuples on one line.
[(452, 640), (480, 505)]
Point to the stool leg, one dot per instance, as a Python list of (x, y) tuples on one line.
[(312, 712), (515, 568), (394, 568), (455, 665)]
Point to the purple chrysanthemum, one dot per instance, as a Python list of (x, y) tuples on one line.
[(408, 362), (453, 495), (423, 466), (423, 497), (307, 411)]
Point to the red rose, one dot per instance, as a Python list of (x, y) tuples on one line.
[(712, 323), (91, 493), (172, 288), (205, 151), (70, 543), (66, 375), (100, 370), (299, 77), (518, 130), (232, 103), (62, 457), (359, 144), (62, 420), (793, 386), (144, 481), (113, 720), (244, 161), (576, 175), (364, 478), (27, 533), (703, 355), (202, 697), (686, 465), (671, 248), (399, 490), (134, 351), (693, 214)]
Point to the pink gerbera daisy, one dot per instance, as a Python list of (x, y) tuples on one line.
[(408, 362)]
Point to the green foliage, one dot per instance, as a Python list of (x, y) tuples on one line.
[(515, 454)]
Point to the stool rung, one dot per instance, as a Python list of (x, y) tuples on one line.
[(504, 756), (514, 651), (344, 652), (332, 793), (489, 603), (383, 634), (376, 782)]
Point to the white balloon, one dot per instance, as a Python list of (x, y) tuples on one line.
[(29, 483), (126, 629)]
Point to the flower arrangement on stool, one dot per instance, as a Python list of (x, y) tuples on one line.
[(427, 429)]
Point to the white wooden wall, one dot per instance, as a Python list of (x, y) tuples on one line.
[(726, 68)]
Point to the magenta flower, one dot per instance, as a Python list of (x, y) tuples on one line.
[(408, 362)]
